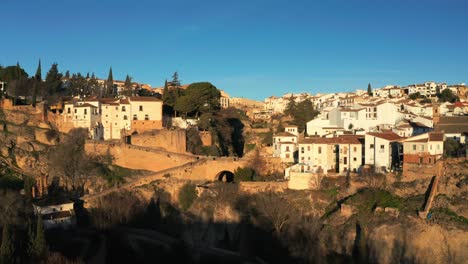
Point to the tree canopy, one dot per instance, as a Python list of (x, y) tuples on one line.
[(199, 98), (448, 96), (301, 112)]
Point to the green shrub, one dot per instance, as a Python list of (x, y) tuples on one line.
[(187, 195), (244, 174)]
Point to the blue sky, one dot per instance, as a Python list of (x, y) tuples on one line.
[(247, 48)]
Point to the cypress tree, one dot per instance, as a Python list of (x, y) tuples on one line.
[(39, 246), (7, 247), (165, 92), (18, 83), (128, 85), (37, 81), (110, 84), (369, 89)]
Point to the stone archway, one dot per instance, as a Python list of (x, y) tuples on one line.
[(225, 176)]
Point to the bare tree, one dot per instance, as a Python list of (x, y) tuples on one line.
[(70, 162), (258, 163), (275, 209)]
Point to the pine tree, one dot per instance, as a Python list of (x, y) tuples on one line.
[(369, 89), (67, 74), (37, 82), (7, 247), (53, 80), (110, 84)]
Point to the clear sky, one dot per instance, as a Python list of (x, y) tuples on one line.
[(247, 48)]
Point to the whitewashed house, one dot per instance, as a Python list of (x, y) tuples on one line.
[(55, 213), (285, 146), (382, 150)]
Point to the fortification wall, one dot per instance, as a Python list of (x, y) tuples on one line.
[(141, 126), (170, 140), (138, 158)]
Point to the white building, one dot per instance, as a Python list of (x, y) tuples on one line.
[(114, 118), (285, 146), (56, 213), (383, 150), (366, 116)]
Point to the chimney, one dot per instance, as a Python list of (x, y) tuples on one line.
[(435, 114)]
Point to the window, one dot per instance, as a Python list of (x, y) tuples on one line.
[(371, 146), (141, 108), (116, 108), (382, 148), (123, 108), (308, 148), (125, 117), (146, 117), (430, 160), (420, 160), (302, 150), (320, 150), (76, 111), (438, 146), (354, 149), (135, 117), (287, 156), (414, 146), (85, 111), (345, 160), (69, 110), (354, 159), (287, 148)]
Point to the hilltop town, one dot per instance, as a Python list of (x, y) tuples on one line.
[(187, 168)]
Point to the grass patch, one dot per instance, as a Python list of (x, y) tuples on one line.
[(114, 174), (445, 213), (366, 200), (332, 192)]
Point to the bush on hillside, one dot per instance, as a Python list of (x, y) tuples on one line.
[(187, 195)]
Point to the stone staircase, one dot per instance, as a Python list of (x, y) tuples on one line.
[(433, 189)]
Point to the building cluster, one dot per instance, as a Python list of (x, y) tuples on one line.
[(356, 132), (113, 118)]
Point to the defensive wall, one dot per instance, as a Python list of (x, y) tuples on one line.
[(169, 140), (201, 170), (138, 157)]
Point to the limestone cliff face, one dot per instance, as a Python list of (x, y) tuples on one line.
[(408, 240)]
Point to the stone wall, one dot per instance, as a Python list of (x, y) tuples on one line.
[(139, 158), (141, 126), (169, 140), (256, 187), (303, 181)]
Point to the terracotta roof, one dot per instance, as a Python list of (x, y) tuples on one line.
[(435, 136), (144, 99), (124, 101), (453, 120), (387, 135), (86, 105), (284, 134), (334, 140), (452, 124)]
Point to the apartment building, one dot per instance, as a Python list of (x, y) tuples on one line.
[(336, 154), (114, 118)]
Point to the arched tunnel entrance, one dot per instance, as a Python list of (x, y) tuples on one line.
[(225, 176)]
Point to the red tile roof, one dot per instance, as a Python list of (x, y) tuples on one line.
[(144, 99), (386, 135)]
